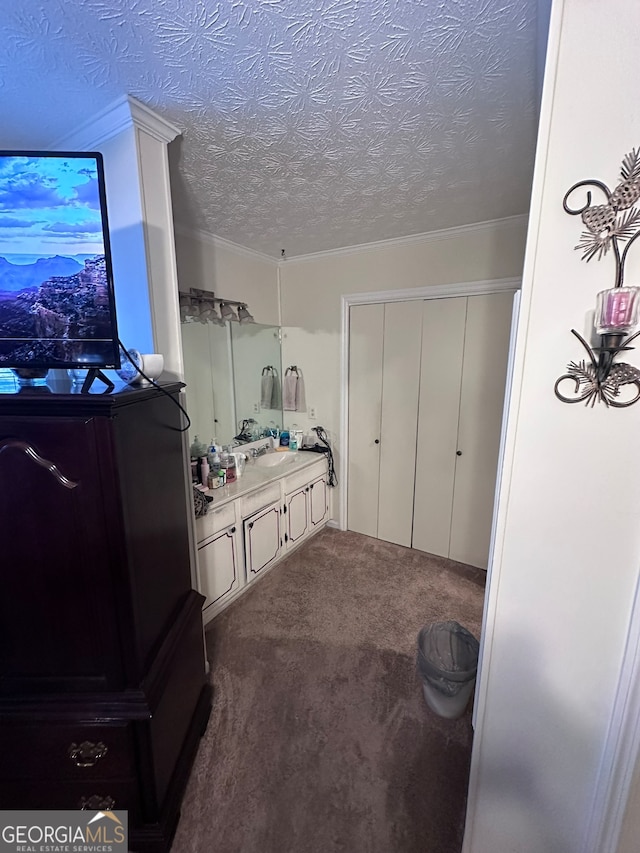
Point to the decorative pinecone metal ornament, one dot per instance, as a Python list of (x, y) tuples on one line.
[(614, 222), (627, 193), (599, 218)]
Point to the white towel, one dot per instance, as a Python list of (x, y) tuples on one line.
[(289, 386), (266, 388), (276, 395), (301, 403), (293, 396)]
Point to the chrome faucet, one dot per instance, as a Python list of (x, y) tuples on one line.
[(258, 451)]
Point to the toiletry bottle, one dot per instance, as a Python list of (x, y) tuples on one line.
[(284, 438), (227, 464), (214, 462), (204, 471), (231, 468)]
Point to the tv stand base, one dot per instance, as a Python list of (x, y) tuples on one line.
[(91, 376)]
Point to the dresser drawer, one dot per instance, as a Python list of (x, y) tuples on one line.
[(62, 794), (65, 751), (215, 520), (260, 499)]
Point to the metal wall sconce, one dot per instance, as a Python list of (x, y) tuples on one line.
[(200, 305), (601, 379)]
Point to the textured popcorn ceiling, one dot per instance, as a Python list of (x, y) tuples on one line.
[(307, 124)]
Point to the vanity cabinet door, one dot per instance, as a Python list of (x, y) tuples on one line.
[(296, 511), (262, 540), (219, 564), (318, 502)]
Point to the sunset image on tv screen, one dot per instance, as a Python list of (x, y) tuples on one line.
[(56, 301)]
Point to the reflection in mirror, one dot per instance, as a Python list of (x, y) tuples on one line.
[(257, 373), (206, 349), (226, 384)]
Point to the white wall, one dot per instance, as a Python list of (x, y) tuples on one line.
[(568, 538), (210, 263), (312, 287)]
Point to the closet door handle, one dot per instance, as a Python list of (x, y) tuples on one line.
[(458, 453)]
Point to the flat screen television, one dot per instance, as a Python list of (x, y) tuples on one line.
[(57, 306)]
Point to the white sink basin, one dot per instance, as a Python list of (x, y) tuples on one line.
[(271, 460)]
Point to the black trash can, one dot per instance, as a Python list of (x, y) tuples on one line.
[(448, 663)]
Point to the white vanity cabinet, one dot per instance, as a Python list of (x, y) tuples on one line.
[(254, 523), (262, 540), (318, 502), (220, 561), (296, 515), (306, 502)]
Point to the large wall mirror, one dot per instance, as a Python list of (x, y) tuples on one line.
[(233, 374)]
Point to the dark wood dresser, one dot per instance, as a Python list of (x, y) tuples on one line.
[(103, 692)]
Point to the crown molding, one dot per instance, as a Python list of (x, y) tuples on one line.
[(119, 116), (222, 242), (426, 237)]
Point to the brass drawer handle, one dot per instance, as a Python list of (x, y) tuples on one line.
[(87, 754), (97, 802)]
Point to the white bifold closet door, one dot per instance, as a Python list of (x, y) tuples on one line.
[(399, 421), (426, 388), (443, 322), (384, 373), (366, 329), (484, 376), (461, 404)]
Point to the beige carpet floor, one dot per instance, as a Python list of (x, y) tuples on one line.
[(319, 739)]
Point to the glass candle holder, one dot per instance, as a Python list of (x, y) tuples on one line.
[(617, 310)]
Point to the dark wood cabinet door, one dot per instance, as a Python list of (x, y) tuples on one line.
[(57, 625)]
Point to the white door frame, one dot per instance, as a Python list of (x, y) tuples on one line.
[(621, 750), (442, 291)]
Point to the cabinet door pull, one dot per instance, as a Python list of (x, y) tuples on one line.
[(233, 530), (286, 538), (458, 453), (87, 754), (285, 509), (96, 801), (250, 525)]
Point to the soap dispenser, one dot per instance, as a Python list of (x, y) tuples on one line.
[(197, 448)]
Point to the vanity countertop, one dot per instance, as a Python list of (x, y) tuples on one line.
[(257, 474)]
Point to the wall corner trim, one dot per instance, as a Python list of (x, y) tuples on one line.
[(122, 114), (621, 749)]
